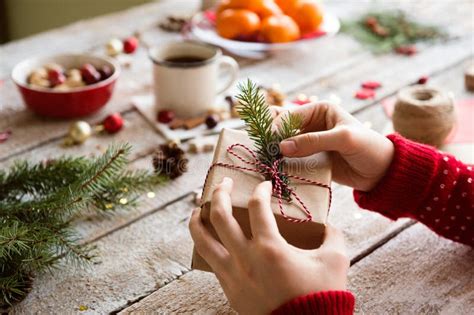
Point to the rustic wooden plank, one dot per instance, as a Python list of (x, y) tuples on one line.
[(417, 272), (196, 292)]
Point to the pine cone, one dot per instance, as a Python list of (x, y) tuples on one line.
[(170, 160)]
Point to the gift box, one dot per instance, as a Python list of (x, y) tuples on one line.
[(316, 198)]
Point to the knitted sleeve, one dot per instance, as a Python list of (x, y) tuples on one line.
[(427, 185), (321, 303)]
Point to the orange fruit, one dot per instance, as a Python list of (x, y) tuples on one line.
[(223, 5), (268, 8), (287, 6), (279, 29), (252, 5), (232, 23), (308, 15)]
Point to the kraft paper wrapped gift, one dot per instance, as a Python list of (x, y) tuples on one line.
[(306, 235)]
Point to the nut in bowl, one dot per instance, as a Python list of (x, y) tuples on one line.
[(66, 86)]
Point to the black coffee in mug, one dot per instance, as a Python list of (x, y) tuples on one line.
[(185, 59)]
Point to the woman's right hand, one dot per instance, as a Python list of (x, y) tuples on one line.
[(361, 155)]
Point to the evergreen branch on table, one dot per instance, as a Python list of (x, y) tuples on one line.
[(39, 202), (384, 31)]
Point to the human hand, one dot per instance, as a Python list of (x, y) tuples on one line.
[(261, 274), (362, 156)]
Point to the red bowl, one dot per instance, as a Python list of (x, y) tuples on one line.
[(77, 102)]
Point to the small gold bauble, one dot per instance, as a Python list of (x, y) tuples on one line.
[(80, 131)]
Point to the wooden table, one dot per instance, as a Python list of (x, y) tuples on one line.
[(145, 254)]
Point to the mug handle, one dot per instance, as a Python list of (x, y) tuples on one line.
[(233, 68)]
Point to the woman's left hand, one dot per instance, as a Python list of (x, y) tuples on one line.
[(261, 274)]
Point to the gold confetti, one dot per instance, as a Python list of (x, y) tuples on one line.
[(150, 194), (125, 189), (123, 201), (109, 206), (83, 308)]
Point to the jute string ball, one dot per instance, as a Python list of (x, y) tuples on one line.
[(424, 114)]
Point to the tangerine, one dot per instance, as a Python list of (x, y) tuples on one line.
[(287, 6), (233, 23), (279, 29), (268, 8), (253, 5), (308, 15)]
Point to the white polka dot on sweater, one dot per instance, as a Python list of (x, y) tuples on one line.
[(441, 186), (446, 227), (469, 180), (469, 218), (458, 207), (457, 169), (469, 168), (456, 237), (464, 194), (463, 227), (446, 158), (453, 217), (443, 209), (428, 208), (445, 172), (435, 198), (437, 220), (422, 216), (455, 182), (449, 196)]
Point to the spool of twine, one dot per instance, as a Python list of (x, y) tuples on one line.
[(424, 114)]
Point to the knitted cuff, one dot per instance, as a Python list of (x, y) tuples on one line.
[(322, 303), (406, 183)]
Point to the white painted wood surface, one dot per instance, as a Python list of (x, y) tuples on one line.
[(145, 253)]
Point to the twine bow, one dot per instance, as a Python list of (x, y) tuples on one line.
[(275, 174)]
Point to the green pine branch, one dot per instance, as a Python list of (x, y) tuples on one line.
[(255, 112), (400, 29), (38, 205)]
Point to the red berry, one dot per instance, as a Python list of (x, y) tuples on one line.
[(105, 72), (89, 74), (211, 121), (130, 44), (423, 79), (372, 85), (371, 21), (56, 77), (407, 50), (113, 123), (165, 116), (365, 94)]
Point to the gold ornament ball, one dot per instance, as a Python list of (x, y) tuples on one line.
[(80, 131)]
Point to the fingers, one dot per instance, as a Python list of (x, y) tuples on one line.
[(209, 248), (337, 139), (313, 114), (334, 240), (262, 220), (222, 219)]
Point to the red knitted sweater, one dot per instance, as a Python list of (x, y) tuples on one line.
[(421, 183)]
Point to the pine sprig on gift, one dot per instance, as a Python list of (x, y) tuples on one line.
[(255, 112), (38, 205)]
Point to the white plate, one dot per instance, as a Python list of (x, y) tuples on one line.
[(204, 30)]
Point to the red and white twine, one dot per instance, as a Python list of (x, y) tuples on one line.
[(275, 174)]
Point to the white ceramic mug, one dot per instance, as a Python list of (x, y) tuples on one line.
[(189, 88)]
